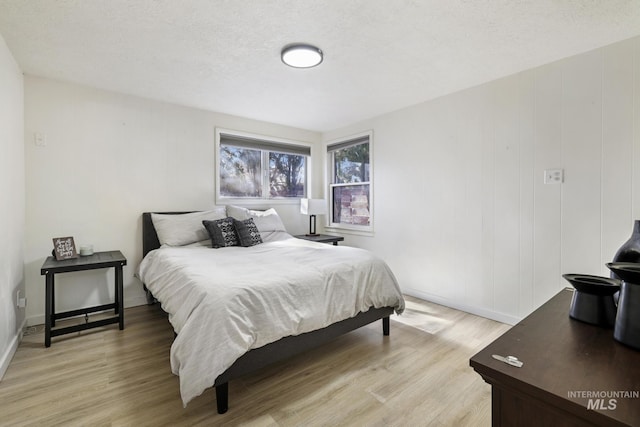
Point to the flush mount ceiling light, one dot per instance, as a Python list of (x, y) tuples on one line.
[(300, 55)]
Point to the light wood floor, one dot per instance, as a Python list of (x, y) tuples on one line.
[(418, 376)]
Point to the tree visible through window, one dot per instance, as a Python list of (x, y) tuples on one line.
[(286, 175), (350, 186), (261, 169), (240, 172)]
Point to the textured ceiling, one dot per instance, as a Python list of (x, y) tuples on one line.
[(380, 55)]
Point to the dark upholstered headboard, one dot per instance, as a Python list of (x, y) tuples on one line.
[(149, 236)]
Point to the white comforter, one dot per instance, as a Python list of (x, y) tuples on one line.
[(224, 302)]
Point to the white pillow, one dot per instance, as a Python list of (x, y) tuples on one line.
[(266, 221), (184, 229), (237, 212)]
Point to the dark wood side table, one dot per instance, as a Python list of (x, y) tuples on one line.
[(574, 374), (322, 238), (51, 267)]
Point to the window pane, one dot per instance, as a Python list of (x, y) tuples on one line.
[(351, 204), (240, 170), (351, 164), (286, 175)]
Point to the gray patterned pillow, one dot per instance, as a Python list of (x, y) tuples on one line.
[(248, 233), (222, 232)]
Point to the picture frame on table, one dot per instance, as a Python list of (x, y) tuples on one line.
[(64, 248)]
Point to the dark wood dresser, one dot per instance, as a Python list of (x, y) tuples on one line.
[(574, 374)]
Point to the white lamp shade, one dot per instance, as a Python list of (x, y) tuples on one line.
[(313, 206)]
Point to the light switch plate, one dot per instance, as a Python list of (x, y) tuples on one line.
[(553, 176)]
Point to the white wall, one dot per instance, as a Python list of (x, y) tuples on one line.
[(461, 212), (108, 158), (12, 204)]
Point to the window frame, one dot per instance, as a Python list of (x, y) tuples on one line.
[(364, 230), (269, 142)]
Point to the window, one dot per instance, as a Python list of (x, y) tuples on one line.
[(252, 167), (350, 186)]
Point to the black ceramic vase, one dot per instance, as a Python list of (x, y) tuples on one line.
[(627, 325), (630, 250), (592, 300)]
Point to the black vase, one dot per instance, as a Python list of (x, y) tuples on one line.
[(627, 325), (630, 250)]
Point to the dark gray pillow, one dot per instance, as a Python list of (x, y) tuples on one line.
[(248, 233), (222, 232)]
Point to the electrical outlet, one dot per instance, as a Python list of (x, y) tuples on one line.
[(39, 139), (553, 176), (20, 302)]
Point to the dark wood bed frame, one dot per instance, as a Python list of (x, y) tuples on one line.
[(280, 350)]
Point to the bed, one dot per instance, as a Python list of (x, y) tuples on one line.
[(206, 331)]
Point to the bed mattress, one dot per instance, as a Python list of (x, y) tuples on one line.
[(225, 302)]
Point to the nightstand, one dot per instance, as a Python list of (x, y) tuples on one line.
[(51, 267), (321, 238)]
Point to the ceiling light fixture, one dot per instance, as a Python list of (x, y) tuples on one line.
[(300, 55)]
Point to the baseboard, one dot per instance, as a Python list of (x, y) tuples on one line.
[(489, 314), (135, 301), (6, 358)]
